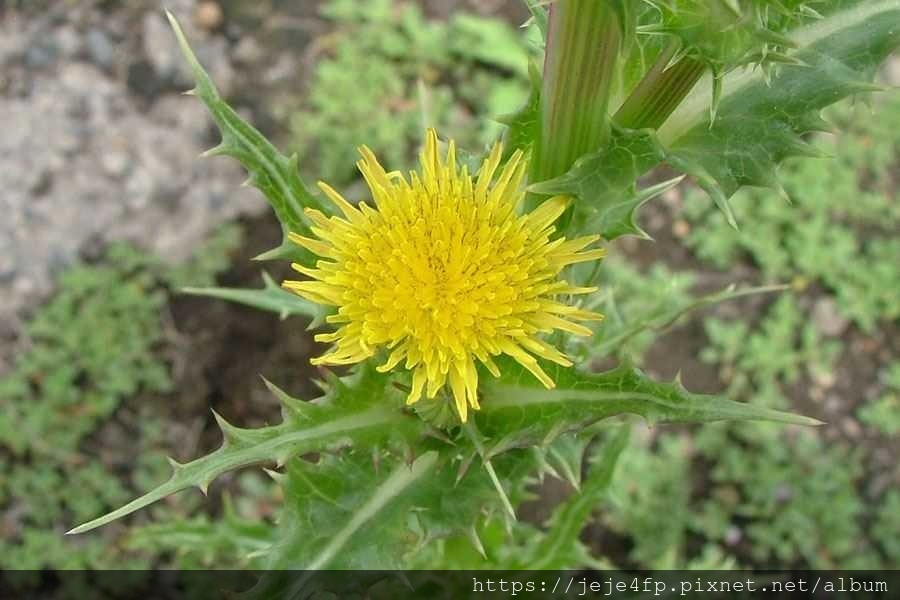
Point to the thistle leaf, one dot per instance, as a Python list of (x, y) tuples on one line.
[(604, 184), (560, 547), (274, 174), (272, 297), (340, 513), (517, 411), (758, 123), (523, 126), (733, 130), (613, 335), (363, 410), (539, 16)]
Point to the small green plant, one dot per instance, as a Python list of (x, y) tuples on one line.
[(389, 72), (884, 413), (842, 216), (95, 346), (454, 297)]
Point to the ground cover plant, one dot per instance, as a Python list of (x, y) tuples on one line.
[(444, 452), (92, 356)]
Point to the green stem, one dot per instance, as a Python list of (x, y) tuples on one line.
[(582, 48), (660, 91)]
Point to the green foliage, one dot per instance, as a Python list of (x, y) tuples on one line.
[(766, 496), (838, 229), (605, 184), (636, 306), (93, 347), (363, 410), (390, 73), (761, 116), (652, 505), (199, 542), (761, 119), (747, 358), (274, 174), (886, 528), (794, 498), (884, 413), (272, 297), (368, 482), (729, 33)]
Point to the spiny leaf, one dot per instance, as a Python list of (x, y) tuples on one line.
[(274, 174), (603, 183), (517, 411), (539, 16), (560, 547), (611, 336), (340, 513), (523, 127), (759, 123), (271, 297), (369, 416), (330, 503), (726, 33)]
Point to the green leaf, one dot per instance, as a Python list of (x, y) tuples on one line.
[(489, 41), (272, 297), (364, 509), (346, 497), (523, 127), (206, 542), (274, 174), (560, 547), (517, 411), (363, 409), (604, 184), (539, 16), (763, 114), (611, 336), (726, 33)]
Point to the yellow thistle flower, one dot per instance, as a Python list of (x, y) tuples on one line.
[(443, 271)]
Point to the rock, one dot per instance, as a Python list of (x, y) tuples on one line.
[(827, 318), (8, 268), (892, 70), (851, 428), (68, 41), (247, 51), (733, 536), (82, 161), (141, 78), (100, 49), (115, 163), (681, 228), (41, 55), (160, 47), (208, 15)]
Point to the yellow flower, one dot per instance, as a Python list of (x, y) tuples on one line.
[(444, 270)]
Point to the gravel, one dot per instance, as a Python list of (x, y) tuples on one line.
[(83, 158)]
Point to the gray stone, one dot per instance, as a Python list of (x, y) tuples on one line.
[(100, 49), (115, 163), (159, 45), (40, 55), (248, 51), (83, 161), (68, 41), (827, 318), (733, 535)]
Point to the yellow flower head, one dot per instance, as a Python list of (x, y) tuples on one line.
[(444, 270)]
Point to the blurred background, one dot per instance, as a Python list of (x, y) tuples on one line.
[(106, 211)]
